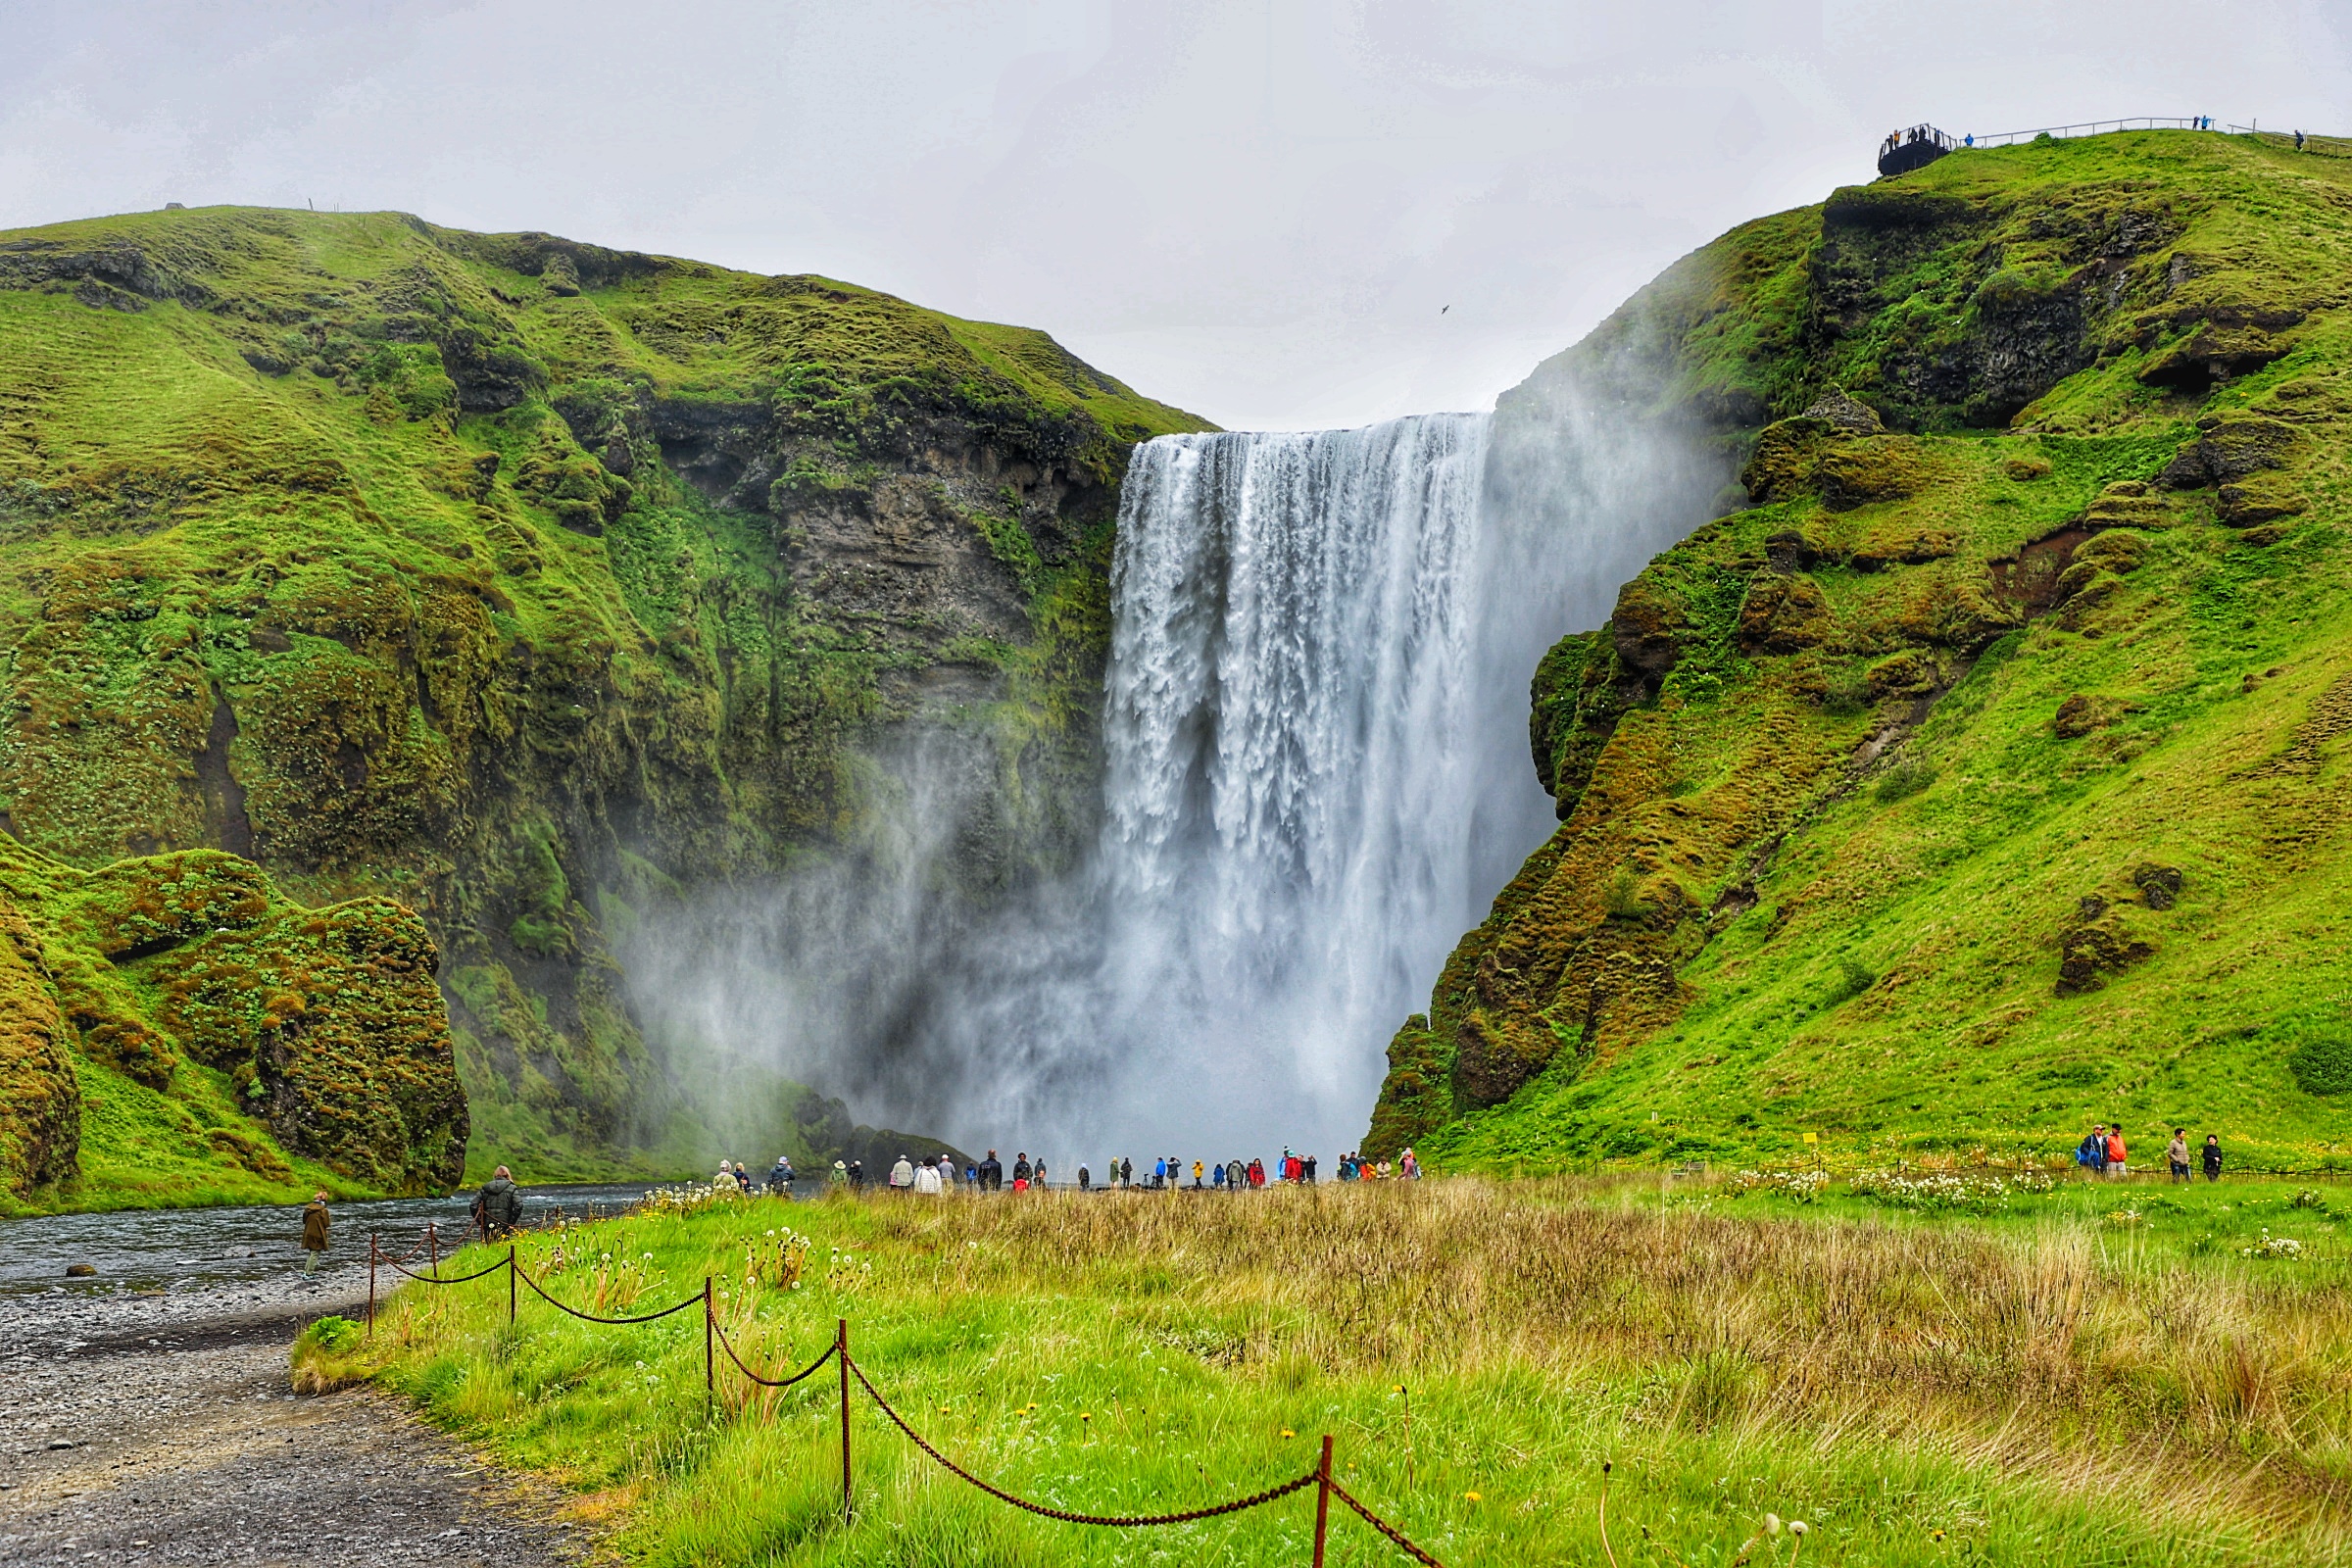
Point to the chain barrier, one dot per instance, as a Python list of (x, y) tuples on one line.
[(1384, 1527), (1319, 1477), (695, 1300), (435, 1279), (1115, 1521), (809, 1370)]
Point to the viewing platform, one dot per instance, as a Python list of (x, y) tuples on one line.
[(1923, 144)]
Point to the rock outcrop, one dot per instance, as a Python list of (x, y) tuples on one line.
[(223, 1034)]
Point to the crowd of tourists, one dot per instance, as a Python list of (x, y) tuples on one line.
[(933, 1175)]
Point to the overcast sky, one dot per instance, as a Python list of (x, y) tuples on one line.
[(1275, 212)]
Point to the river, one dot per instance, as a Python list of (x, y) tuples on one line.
[(183, 1249)]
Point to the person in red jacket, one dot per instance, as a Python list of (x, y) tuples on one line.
[(2115, 1153)]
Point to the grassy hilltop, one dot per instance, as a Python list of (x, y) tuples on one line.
[(1985, 777), (529, 585)]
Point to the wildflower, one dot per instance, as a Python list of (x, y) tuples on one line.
[(1287, 1432), (1471, 1496), (1085, 1415), (1798, 1527), (1772, 1524)]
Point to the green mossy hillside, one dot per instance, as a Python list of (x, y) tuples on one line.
[(531, 584), (177, 1031), (1983, 777)]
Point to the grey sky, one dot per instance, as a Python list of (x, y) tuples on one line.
[(1254, 210)]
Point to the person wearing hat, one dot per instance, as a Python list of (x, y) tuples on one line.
[(314, 1231)]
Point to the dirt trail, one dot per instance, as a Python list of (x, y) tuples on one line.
[(169, 1436)]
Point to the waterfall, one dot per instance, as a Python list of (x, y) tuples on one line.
[(1316, 776), (1288, 729)]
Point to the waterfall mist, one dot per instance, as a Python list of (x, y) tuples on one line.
[(1316, 776)]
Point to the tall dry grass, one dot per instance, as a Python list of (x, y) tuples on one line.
[(2204, 1386)]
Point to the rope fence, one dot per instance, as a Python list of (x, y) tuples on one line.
[(714, 1339)]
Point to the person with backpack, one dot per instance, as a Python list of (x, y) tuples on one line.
[(2213, 1156), (2175, 1155), (2092, 1152), (991, 1174), (498, 1206), (1086, 1180)]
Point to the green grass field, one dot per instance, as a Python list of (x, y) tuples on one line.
[(2088, 1375)]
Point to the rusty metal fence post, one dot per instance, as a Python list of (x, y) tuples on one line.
[(710, 1372), (510, 1285), (841, 1354), (1322, 1499)]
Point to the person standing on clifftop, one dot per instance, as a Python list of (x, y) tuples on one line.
[(314, 1231)]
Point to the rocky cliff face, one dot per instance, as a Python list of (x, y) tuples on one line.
[(216, 1035), (532, 585), (1969, 782)]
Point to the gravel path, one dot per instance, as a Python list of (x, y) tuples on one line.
[(158, 1428)]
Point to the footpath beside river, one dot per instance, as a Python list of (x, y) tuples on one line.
[(146, 1416)]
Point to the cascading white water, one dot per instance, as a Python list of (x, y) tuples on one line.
[(1316, 776), (1286, 851)]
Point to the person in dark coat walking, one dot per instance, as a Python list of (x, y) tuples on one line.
[(314, 1231), (2213, 1156), (1020, 1168), (498, 1207), (992, 1173)]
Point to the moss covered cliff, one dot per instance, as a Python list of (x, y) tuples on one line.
[(529, 585), (177, 1031), (1983, 777)]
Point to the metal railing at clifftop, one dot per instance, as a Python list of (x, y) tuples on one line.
[(1924, 144)]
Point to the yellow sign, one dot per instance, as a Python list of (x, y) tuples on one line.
[(1812, 1139)]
